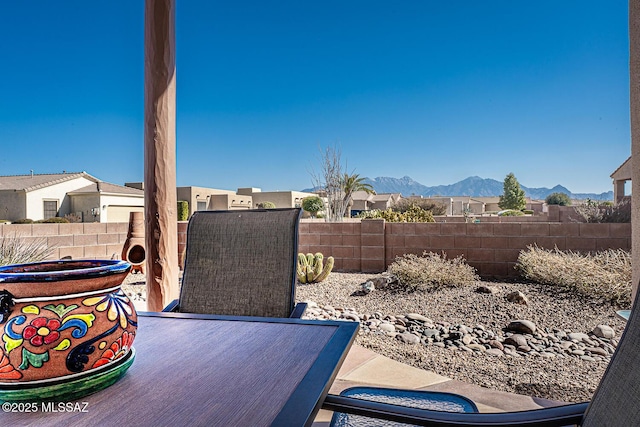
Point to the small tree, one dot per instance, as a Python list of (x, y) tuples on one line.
[(513, 197), (560, 199), (312, 204), (351, 184), (183, 210)]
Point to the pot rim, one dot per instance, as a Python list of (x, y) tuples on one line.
[(60, 270)]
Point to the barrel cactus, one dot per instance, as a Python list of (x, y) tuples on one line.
[(312, 268)]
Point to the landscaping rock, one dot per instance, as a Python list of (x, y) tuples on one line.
[(604, 331), (524, 326), (518, 298)]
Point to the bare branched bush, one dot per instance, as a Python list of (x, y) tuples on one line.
[(604, 275), (17, 250), (591, 211), (330, 182), (432, 271)]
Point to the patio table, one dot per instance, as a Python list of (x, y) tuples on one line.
[(203, 370)]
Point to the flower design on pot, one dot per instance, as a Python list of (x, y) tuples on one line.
[(116, 305), (119, 348), (42, 331)]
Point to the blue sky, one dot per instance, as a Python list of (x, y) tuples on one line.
[(438, 91)]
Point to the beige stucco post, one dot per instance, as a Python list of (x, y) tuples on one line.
[(634, 97), (161, 236)]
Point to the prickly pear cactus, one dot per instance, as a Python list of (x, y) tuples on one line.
[(312, 268)]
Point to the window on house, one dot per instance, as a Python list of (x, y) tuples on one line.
[(202, 206), (50, 208)]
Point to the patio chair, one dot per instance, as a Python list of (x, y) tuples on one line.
[(615, 401), (241, 263)]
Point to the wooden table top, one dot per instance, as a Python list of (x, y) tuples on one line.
[(200, 370)]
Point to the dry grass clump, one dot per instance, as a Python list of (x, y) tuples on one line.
[(432, 271), (16, 250), (604, 275)]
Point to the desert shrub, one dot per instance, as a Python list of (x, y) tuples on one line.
[(183, 210), (15, 250), (510, 212), (432, 271), (53, 220), (604, 212), (604, 275), (312, 204), (561, 199), (73, 217), (436, 208), (413, 214), (23, 221), (527, 212), (266, 205)]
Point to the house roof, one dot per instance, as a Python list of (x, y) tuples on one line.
[(624, 171), (36, 181), (105, 187)]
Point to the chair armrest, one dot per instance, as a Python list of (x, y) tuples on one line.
[(298, 310), (555, 416), (172, 307)]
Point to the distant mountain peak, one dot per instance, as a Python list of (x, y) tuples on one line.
[(473, 186)]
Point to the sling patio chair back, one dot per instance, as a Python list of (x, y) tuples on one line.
[(616, 401), (241, 263)]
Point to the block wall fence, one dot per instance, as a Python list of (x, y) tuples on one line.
[(369, 245)]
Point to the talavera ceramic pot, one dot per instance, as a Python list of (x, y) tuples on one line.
[(66, 328)]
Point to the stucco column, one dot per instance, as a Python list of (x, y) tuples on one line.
[(161, 236)]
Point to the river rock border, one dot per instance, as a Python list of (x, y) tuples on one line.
[(520, 338)]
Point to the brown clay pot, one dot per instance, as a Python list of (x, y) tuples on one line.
[(62, 318)]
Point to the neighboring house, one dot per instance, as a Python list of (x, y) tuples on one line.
[(620, 176), (282, 199), (491, 204), (363, 201), (111, 202), (202, 198), (43, 196)]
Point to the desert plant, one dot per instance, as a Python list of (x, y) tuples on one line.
[(312, 204), (266, 205), (510, 212), (604, 275), (53, 220), (431, 271), (513, 196), (23, 221), (436, 208), (16, 250), (413, 214), (183, 210), (311, 268), (73, 217), (561, 199), (604, 212)]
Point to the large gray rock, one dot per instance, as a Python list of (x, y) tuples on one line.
[(523, 326), (518, 298), (604, 331), (408, 338)]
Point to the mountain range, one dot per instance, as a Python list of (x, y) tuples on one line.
[(473, 186)]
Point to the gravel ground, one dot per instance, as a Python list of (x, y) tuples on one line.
[(567, 379), (564, 379)]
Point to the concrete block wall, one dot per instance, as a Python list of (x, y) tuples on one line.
[(491, 248), (368, 245), (77, 240)]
